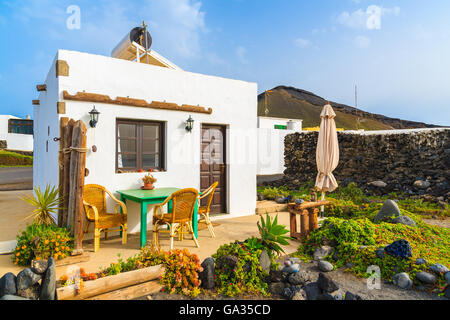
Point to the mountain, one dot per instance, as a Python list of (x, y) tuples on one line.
[(289, 102)]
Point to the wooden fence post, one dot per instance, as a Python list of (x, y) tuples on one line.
[(66, 141), (62, 125), (77, 172)]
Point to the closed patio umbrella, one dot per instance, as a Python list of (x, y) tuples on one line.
[(327, 152)]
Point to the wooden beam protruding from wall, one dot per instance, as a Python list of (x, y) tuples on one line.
[(100, 98), (62, 68), (61, 107), (35, 102), (41, 87)]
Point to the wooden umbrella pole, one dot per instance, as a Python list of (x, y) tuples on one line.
[(322, 208)]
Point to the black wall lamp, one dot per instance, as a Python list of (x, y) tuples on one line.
[(189, 124), (94, 117)]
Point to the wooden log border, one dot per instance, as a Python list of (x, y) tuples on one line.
[(110, 283), (125, 101)]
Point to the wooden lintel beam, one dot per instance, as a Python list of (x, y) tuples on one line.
[(100, 98), (41, 87), (36, 102)]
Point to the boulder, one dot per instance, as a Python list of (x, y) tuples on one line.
[(30, 293), (322, 252), (447, 277), (299, 201), (351, 296), (378, 184), (420, 261), (326, 284), (27, 278), (439, 268), (390, 208), (325, 266), (300, 278), (264, 261), (289, 293), (400, 249), (380, 253), (447, 292), (39, 266), (277, 288), (402, 281), (311, 290), (421, 184), (48, 288), (276, 275), (426, 277), (280, 200), (207, 275), (229, 262), (325, 296), (404, 220), (259, 197), (8, 284)]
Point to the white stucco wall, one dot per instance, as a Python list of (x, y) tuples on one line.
[(234, 105), (271, 143), (15, 141)]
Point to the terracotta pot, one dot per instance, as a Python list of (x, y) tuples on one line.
[(148, 186)]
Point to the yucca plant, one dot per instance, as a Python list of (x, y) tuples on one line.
[(273, 234), (45, 204)]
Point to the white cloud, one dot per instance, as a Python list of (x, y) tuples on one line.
[(302, 43), (369, 18), (362, 42), (241, 52)]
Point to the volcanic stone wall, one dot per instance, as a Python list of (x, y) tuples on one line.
[(413, 161)]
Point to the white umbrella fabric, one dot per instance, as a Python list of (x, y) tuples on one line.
[(327, 152)]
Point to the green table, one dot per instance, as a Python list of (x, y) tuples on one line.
[(146, 197)]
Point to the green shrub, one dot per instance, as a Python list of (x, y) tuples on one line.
[(247, 277), (13, 159), (273, 235), (42, 242), (271, 193), (46, 204)]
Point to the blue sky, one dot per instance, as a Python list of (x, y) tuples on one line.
[(396, 51)]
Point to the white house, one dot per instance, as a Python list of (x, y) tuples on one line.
[(271, 134), (142, 125), (17, 132)]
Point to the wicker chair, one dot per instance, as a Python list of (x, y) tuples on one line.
[(94, 202), (204, 210), (183, 204)]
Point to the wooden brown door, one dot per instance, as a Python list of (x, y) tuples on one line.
[(213, 165)]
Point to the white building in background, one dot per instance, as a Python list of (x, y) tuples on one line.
[(271, 134), (148, 130), (17, 132)]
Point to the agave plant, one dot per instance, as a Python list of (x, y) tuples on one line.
[(273, 234), (45, 204)]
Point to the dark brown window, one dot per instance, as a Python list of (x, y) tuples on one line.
[(139, 145)]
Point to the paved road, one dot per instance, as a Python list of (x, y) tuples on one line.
[(16, 178)]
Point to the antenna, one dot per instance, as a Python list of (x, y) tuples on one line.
[(144, 26)]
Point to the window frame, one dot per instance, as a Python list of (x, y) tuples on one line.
[(20, 123), (139, 141)]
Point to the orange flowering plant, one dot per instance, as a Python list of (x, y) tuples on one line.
[(181, 274), (41, 241)]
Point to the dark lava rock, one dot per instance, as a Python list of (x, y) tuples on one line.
[(389, 209), (276, 288), (277, 275), (207, 275), (322, 252), (264, 261), (259, 197), (380, 253), (39, 266), (289, 293), (280, 200), (400, 248), (325, 296), (229, 262), (8, 284), (420, 261), (31, 293), (300, 278), (48, 288), (447, 292), (326, 284), (312, 290), (27, 278), (351, 296)]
